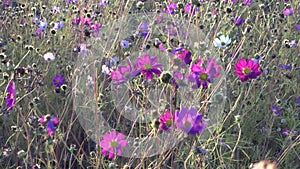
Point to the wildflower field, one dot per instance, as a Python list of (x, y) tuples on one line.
[(150, 84)]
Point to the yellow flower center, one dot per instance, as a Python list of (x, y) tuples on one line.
[(187, 124), (148, 66), (127, 74), (204, 76), (114, 144), (169, 123), (247, 71)]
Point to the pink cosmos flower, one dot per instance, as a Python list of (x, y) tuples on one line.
[(96, 27), (113, 143), (149, 66), (203, 76), (123, 74), (190, 121), (247, 70), (86, 21)]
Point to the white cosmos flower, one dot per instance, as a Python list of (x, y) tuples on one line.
[(49, 57), (222, 42)]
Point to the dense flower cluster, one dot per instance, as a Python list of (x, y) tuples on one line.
[(52, 123)]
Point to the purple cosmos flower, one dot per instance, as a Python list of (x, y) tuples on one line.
[(123, 74), (124, 44), (11, 96), (149, 66), (144, 30), (203, 76), (247, 2), (276, 110), (288, 12), (59, 25), (185, 56), (286, 132), (288, 67), (58, 80), (247, 70), (189, 121), (166, 121), (113, 143), (238, 21), (43, 25), (178, 79), (171, 8), (23, 21), (297, 27)]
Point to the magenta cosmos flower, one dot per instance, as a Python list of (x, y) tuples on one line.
[(123, 74), (11, 96), (247, 2), (171, 8), (113, 143), (203, 76), (247, 70), (166, 121), (190, 121), (149, 66)]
